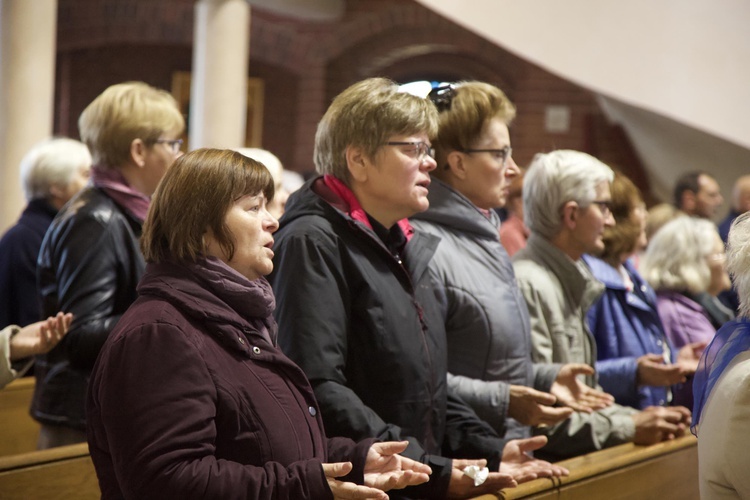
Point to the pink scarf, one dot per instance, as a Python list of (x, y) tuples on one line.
[(116, 187)]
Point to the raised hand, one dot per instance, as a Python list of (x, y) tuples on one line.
[(689, 355), (532, 407), (462, 486), (575, 394), (39, 337), (652, 371), (386, 470), (522, 467)]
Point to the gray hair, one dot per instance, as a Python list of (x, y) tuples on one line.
[(554, 179), (52, 162), (268, 159), (675, 258), (738, 260)]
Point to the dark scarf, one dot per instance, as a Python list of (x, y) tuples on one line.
[(252, 300)]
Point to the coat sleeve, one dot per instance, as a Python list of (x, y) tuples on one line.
[(489, 399), (79, 275), (161, 386), (618, 377)]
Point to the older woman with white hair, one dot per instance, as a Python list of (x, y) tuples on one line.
[(52, 172), (685, 264), (722, 387), (274, 166), (567, 204)]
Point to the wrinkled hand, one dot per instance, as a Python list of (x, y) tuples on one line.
[(523, 467), (348, 491), (575, 394), (657, 423), (532, 407), (462, 486), (653, 372), (39, 337), (689, 355), (386, 470)]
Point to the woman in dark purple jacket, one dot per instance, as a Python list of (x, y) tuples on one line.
[(190, 397)]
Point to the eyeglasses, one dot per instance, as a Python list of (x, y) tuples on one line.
[(502, 155), (421, 149), (174, 144), (605, 206), (442, 96)]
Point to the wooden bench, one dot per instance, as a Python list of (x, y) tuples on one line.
[(662, 471), (19, 432), (58, 473)]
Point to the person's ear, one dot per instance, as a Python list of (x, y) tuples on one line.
[(570, 214), (356, 163), (138, 150), (457, 164), (688, 200)]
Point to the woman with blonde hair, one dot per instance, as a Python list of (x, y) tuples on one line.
[(89, 262)]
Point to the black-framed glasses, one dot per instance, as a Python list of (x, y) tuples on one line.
[(421, 149), (501, 155), (605, 206), (174, 144), (442, 96)]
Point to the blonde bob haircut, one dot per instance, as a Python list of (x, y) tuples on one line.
[(472, 107), (622, 238), (738, 260), (123, 113), (676, 258), (195, 194), (366, 115)]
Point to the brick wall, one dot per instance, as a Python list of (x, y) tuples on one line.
[(305, 64)]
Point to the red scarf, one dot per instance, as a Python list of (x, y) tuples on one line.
[(352, 206)]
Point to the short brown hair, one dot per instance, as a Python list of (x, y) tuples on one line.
[(473, 105), (122, 113), (622, 238), (195, 194), (366, 115)]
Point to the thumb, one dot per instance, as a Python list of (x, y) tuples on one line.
[(390, 447), (543, 398), (337, 469), (531, 444), (581, 369)]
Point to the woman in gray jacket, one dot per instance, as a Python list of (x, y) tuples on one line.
[(487, 322)]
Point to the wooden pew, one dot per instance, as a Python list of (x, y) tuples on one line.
[(19, 432), (58, 473), (662, 471)]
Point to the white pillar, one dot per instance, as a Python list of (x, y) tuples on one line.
[(218, 96), (28, 30)]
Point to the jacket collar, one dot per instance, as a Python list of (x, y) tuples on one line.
[(576, 279), (450, 208)]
